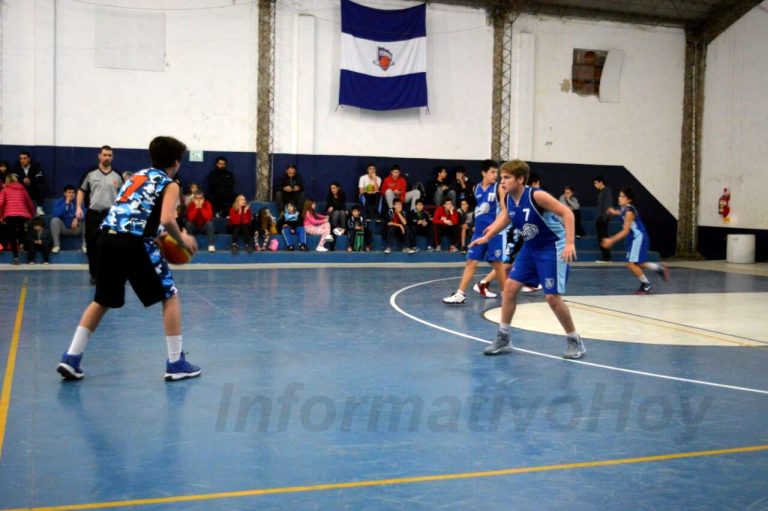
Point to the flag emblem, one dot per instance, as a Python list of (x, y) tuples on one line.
[(384, 59)]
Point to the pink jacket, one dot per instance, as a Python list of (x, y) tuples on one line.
[(316, 219), (15, 201)]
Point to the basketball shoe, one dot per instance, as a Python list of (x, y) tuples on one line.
[(482, 289), (644, 289), (69, 368), (501, 344), (180, 369), (575, 348), (663, 271), (457, 298)]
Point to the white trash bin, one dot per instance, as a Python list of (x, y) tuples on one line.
[(741, 248)]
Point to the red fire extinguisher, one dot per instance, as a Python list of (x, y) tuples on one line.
[(723, 205)]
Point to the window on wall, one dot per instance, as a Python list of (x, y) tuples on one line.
[(586, 72)]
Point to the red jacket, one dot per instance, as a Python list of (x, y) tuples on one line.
[(240, 217), (199, 216), (394, 184), (441, 215), (15, 201)]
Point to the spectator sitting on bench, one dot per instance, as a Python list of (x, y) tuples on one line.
[(200, 218)]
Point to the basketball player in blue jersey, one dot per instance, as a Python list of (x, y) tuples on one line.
[(544, 257), (490, 204), (145, 207), (637, 242)]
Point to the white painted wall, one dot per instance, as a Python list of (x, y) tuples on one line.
[(460, 48), (734, 147), (52, 93), (641, 131), (205, 96)]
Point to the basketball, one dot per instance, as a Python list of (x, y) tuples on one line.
[(172, 251)]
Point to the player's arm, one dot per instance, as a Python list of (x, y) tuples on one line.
[(168, 218), (549, 203), (498, 225), (608, 242)]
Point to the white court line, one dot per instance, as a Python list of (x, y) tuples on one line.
[(393, 303)]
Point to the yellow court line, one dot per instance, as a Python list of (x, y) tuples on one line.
[(657, 323), (10, 367), (394, 481)]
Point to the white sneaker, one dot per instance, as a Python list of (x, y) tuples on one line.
[(211, 248), (328, 237), (410, 251), (40, 211), (321, 248), (387, 250), (456, 298), (85, 249), (338, 231), (55, 250), (529, 289)]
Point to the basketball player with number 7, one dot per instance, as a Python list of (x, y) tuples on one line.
[(549, 247), (144, 209)]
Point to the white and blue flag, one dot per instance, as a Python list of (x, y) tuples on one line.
[(383, 57)]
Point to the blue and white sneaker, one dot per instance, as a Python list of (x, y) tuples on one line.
[(69, 368), (181, 369)]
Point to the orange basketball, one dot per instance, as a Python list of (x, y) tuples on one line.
[(172, 251)]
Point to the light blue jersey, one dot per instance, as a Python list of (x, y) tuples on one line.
[(637, 241)]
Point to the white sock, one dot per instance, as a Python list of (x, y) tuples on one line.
[(644, 279), (459, 291), (504, 329), (79, 341), (572, 335), (174, 347)]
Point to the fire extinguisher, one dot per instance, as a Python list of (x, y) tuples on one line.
[(723, 205)]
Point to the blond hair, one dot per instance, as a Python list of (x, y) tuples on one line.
[(516, 168)]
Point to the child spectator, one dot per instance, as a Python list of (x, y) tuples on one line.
[(446, 222), (420, 225), (336, 208), (39, 239), (200, 218), (16, 208), (466, 223), (263, 227), (570, 200), (317, 224), (368, 186), (64, 219), (292, 227), (357, 227), (463, 188), (190, 195), (239, 224), (397, 228)]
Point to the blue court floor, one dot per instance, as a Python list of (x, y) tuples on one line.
[(354, 387)]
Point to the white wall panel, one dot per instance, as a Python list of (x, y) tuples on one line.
[(734, 148)]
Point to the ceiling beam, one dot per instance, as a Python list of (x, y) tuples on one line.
[(723, 17), (573, 11)]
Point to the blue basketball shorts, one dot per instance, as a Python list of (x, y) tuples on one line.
[(541, 265), (491, 251)]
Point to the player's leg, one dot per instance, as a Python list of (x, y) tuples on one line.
[(460, 296), (502, 343)]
